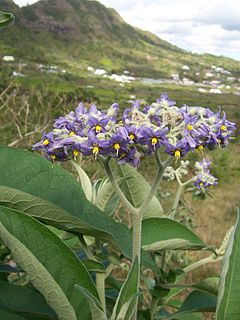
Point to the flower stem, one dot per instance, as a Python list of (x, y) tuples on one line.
[(100, 284), (137, 213), (111, 178), (201, 262), (161, 167)]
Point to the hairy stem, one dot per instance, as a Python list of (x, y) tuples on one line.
[(116, 187), (137, 213), (176, 201), (100, 284), (161, 167), (179, 192), (201, 262)]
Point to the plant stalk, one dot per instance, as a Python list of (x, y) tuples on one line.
[(116, 187), (201, 262), (137, 213), (100, 284)]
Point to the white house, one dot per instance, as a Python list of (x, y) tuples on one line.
[(8, 59)]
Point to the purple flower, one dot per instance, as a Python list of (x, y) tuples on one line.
[(93, 132), (118, 142), (204, 178), (178, 150), (164, 101), (97, 125), (46, 142), (93, 146), (132, 157), (154, 139)]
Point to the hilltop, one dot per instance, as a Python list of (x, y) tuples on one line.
[(83, 32)]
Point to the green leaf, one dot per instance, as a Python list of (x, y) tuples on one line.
[(38, 177), (95, 306), (128, 291), (5, 18), (208, 285), (186, 316), (4, 315), (106, 199), (25, 301), (136, 188), (196, 301), (85, 181), (93, 265), (52, 267), (163, 233), (127, 309), (228, 306)]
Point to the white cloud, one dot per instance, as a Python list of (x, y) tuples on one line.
[(211, 26)]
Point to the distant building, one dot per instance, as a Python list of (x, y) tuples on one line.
[(201, 90), (8, 59), (218, 91), (100, 72), (90, 68), (231, 79), (209, 74), (175, 76), (186, 68), (17, 74)]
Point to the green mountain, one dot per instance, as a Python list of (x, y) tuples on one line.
[(83, 32)]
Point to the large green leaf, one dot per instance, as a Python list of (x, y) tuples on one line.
[(106, 198), (208, 285), (51, 214), (196, 301), (163, 233), (5, 18), (4, 315), (228, 306), (25, 301), (36, 176), (95, 306), (128, 292), (52, 267), (136, 188), (85, 181)]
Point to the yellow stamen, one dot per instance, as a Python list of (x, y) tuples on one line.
[(177, 154), (120, 123), (223, 128), (95, 150), (75, 153), (201, 184), (189, 127), (116, 146), (154, 140), (71, 134), (132, 136), (98, 128), (45, 142), (53, 157)]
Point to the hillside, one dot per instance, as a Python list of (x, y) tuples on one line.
[(83, 32)]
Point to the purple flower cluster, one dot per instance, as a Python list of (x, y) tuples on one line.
[(138, 132), (204, 178)]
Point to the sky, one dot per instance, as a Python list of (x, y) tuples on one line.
[(201, 26)]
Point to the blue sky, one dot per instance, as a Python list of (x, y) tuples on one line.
[(211, 26)]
